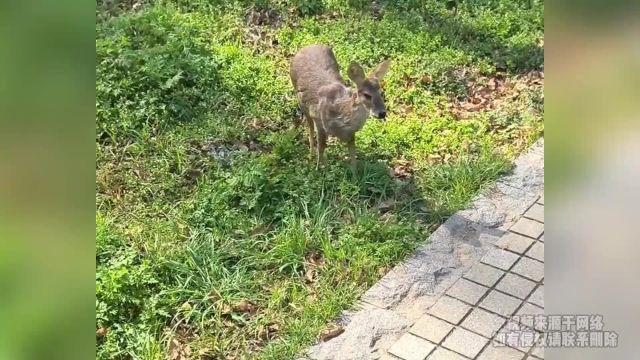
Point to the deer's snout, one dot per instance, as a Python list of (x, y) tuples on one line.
[(381, 115)]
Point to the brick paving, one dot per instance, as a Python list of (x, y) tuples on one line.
[(470, 319)]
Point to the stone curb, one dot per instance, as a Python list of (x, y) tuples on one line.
[(405, 293)]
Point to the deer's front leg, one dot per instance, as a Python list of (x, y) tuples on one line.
[(312, 139), (351, 144), (321, 136)]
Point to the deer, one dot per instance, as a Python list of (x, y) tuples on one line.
[(329, 106)]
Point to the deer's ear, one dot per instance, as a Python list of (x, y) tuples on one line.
[(381, 70), (356, 74)]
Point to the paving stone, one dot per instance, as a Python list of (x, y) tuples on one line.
[(521, 339), (386, 356), (465, 342), (500, 303), (500, 353), (483, 322), (528, 227), (536, 251), (444, 354), (516, 285), (541, 200), (529, 268), (411, 347), (541, 238), (529, 309), (366, 331), (537, 297), (535, 212), (449, 309), (466, 290), (528, 174), (514, 242), (431, 328), (538, 351), (484, 274), (499, 258)]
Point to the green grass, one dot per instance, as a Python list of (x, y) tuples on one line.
[(216, 236)]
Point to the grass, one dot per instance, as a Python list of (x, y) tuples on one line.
[(216, 237)]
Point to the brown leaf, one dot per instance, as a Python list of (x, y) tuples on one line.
[(493, 84), (228, 323), (101, 331), (310, 274), (224, 309), (425, 80), (434, 159), (244, 306), (313, 261), (178, 351), (268, 332), (401, 169), (383, 271), (405, 109), (330, 333), (402, 172), (315, 258)]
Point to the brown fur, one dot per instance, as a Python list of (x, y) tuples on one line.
[(329, 106)]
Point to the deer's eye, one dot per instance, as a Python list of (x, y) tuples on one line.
[(367, 96)]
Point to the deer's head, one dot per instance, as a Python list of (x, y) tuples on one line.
[(369, 92)]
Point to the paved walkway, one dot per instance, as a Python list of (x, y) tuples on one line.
[(455, 297), (471, 321)]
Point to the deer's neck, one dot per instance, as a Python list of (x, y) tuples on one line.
[(353, 109)]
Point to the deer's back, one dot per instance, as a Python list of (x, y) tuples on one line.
[(313, 67)]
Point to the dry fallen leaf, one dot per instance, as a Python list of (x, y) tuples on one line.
[(310, 274), (178, 351), (383, 271), (244, 306), (330, 333), (102, 331), (224, 308), (313, 261), (401, 169), (315, 258), (269, 331)]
